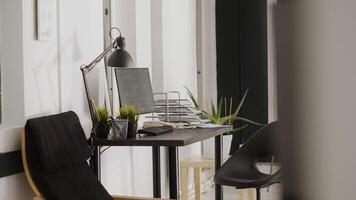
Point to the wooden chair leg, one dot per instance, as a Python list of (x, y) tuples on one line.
[(197, 183), (251, 194), (241, 194), (184, 182)]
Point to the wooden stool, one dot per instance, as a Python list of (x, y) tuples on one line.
[(198, 163), (251, 194)]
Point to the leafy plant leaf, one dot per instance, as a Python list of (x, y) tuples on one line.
[(192, 98), (241, 102), (216, 111), (102, 115), (239, 128), (213, 111), (128, 112), (219, 108), (248, 121)]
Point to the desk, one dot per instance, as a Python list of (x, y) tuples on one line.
[(173, 140)]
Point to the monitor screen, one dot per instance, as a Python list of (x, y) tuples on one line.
[(135, 88)]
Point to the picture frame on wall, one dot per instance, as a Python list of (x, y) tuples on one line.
[(45, 17)]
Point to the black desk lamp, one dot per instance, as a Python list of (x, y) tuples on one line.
[(118, 58)]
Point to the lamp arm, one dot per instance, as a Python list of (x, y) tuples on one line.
[(86, 69), (89, 99)]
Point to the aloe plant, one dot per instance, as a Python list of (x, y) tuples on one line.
[(215, 116), (191, 96)]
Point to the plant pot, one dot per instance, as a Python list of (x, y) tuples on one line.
[(120, 128), (132, 130), (102, 130)]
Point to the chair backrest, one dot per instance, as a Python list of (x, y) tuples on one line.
[(262, 143), (241, 169), (54, 155)]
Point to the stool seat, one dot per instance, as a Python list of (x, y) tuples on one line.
[(198, 161)]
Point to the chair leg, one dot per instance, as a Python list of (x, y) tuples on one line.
[(258, 194), (241, 194), (197, 183), (271, 170), (251, 194), (184, 182)]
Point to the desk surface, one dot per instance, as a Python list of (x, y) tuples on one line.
[(179, 137)]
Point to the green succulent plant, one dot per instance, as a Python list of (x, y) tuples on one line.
[(215, 116), (102, 122), (128, 112), (102, 115)]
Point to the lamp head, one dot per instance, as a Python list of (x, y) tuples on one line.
[(120, 57)]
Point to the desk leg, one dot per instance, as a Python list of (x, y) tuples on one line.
[(218, 162), (173, 172), (156, 166), (96, 162)]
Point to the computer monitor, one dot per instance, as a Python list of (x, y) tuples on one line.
[(134, 85)]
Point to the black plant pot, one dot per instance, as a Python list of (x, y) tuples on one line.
[(102, 130), (132, 130)]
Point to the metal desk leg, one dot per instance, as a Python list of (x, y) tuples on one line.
[(156, 162), (173, 172), (96, 162), (218, 162)]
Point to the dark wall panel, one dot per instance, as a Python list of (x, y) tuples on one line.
[(10, 163), (241, 36)]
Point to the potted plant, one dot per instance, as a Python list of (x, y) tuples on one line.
[(215, 115), (102, 122), (129, 113)]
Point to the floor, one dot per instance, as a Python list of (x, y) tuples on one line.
[(231, 193)]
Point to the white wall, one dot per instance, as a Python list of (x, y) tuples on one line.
[(143, 34), (124, 17), (48, 79), (157, 45), (80, 41), (179, 45), (13, 187), (43, 77), (40, 69), (12, 60)]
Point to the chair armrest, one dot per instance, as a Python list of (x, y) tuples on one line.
[(116, 197)]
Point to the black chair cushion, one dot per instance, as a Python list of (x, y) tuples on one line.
[(73, 182), (60, 140), (241, 174)]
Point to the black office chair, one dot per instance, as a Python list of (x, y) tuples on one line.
[(240, 170), (54, 154)]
